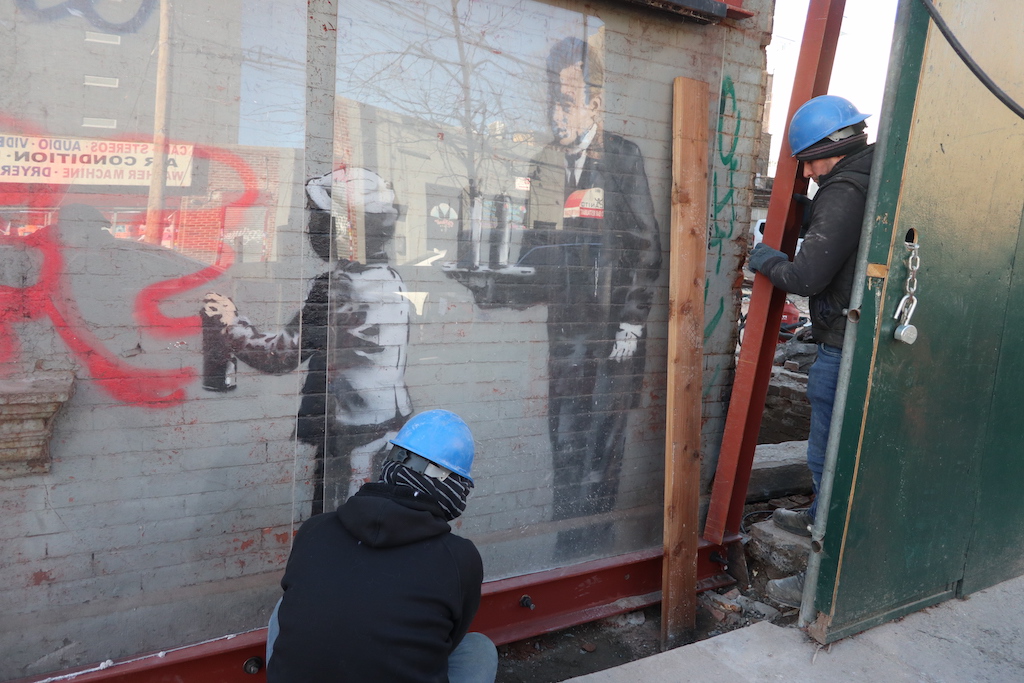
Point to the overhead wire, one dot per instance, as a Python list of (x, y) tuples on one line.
[(966, 58)]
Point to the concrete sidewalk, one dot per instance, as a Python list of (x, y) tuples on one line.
[(959, 641)]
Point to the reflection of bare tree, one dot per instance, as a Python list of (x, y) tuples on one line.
[(445, 64)]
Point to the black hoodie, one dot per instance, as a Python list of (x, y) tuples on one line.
[(824, 267), (380, 590)]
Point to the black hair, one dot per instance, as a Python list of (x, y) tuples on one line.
[(570, 51)]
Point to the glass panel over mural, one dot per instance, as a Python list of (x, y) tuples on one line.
[(491, 247), (243, 243)]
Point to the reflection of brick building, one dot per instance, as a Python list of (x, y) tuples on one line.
[(232, 201), (207, 222), (100, 80)]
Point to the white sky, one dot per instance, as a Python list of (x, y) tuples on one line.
[(858, 74)]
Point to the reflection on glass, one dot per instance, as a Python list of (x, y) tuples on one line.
[(491, 123)]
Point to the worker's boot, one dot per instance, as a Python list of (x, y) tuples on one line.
[(794, 521), (788, 591)]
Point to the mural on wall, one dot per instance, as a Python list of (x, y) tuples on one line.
[(353, 330), (532, 238), (516, 197), (592, 253)]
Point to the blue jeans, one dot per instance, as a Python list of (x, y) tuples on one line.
[(475, 660), (273, 628), (821, 393)]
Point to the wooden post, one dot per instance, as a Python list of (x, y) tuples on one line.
[(689, 232), (158, 177)]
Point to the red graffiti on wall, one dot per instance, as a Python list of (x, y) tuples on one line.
[(50, 297)]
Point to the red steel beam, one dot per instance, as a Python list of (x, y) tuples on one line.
[(736, 10), (560, 597), (753, 369), (221, 660)]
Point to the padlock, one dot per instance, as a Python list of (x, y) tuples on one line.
[(906, 333)]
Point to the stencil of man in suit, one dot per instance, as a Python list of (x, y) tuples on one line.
[(593, 242)]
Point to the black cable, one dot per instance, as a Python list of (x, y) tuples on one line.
[(969, 61), (743, 521)]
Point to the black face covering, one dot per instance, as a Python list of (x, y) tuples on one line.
[(844, 141), (828, 148), (449, 494)]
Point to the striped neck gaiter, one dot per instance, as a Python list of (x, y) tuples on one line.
[(449, 494)]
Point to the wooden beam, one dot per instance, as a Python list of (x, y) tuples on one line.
[(689, 231)]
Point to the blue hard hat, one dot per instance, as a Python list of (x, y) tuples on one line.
[(818, 118), (441, 437)]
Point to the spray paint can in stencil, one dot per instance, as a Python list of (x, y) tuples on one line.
[(219, 363)]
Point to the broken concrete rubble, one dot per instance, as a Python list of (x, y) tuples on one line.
[(734, 609), (782, 552)]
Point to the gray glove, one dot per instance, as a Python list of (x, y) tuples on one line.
[(761, 254)]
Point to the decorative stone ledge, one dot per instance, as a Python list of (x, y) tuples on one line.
[(27, 408)]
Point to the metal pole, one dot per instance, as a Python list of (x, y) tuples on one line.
[(158, 176)]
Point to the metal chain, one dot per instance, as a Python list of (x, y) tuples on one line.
[(906, 332), (913, 264)]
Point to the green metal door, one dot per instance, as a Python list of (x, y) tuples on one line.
[(926, 499)]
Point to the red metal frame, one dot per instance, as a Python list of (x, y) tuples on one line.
[(584, 592), (219, 660), (753, 369), (736, 10), (560, 598)]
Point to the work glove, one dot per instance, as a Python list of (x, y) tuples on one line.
[(761, 254)]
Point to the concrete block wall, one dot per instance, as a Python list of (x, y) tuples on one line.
[(167, 515)]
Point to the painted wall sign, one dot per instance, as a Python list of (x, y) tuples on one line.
[(76, 161)]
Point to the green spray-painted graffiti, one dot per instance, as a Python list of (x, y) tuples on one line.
[(723, 223), (723, 218)]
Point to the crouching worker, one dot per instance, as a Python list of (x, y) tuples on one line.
[(381, 590)]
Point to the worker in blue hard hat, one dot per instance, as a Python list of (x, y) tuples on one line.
[(381, 590), (827, 136)]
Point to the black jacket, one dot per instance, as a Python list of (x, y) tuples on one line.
[(824, 267), (380, 590)]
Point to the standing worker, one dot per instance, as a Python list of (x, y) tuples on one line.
[(827, 135), (381, 590)]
